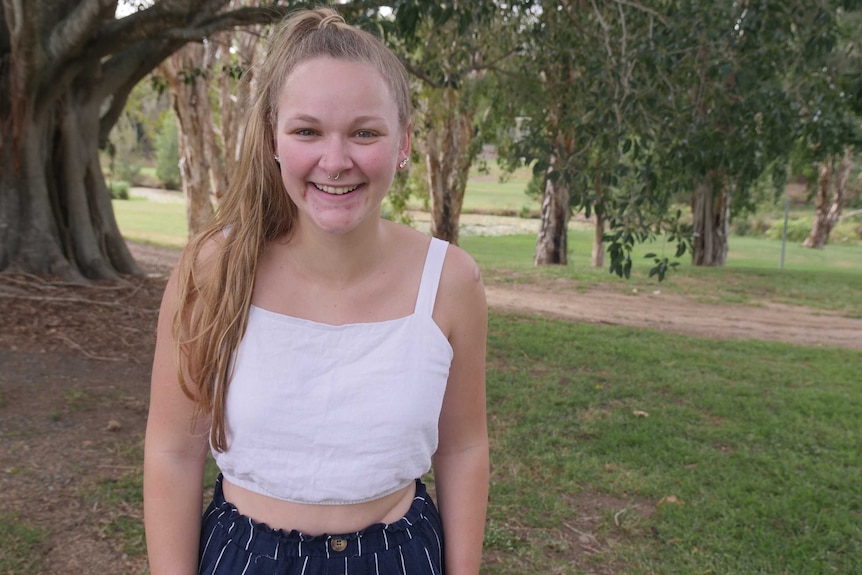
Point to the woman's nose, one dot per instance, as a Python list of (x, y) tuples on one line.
[(336, 156)]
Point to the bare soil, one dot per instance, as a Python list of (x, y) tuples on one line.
[(74, 373)]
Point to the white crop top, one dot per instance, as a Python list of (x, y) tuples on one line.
[(325, 414)]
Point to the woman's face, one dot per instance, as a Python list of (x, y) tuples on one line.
[(339, 141)]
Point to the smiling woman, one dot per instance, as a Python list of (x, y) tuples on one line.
[(343, 145), (331, 357)]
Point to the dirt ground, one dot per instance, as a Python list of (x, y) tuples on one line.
[(74, 371)]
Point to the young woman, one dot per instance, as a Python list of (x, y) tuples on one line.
[(327, 357)]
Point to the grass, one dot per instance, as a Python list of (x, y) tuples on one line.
[(495, 192), (22, 546), (122, 499), (758, 443), (617, 450), (159, 223), (594, 429)]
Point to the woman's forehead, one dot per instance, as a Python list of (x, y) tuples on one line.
[(323, 87)]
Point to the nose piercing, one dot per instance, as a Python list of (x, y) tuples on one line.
[(330, 177)]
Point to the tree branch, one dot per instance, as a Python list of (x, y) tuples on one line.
[(122, 73), (118, 34), (420, 74), (649, 11), (72, 33)]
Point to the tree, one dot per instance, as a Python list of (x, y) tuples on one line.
[(830, 198), (188, 73), (449, 50), (198, 75), (66, 70), (584, 92), (830, 97), (747, 80), (68, 67)]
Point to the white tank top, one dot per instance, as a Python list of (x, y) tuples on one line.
[(325, 414)]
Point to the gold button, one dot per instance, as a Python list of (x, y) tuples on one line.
[(338, 544)]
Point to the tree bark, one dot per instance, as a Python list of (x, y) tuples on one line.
[(832, 195), (598, 254), (711, 222), (235, 95), (552, 241), (449, 153), (56, 216), (187, 72)]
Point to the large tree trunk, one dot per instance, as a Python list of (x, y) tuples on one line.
[(235, 95), (56, 216), (449, 153), (66, 70), (830, 199), (711, 222), (552, 241), (187, 72), (209, 149)]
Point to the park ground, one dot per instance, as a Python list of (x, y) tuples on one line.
[(74, 385)]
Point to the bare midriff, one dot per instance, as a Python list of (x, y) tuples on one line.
[(312, 519)]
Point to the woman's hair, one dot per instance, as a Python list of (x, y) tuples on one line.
[(217, 270)]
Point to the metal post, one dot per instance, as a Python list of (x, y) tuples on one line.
[(784, 231)]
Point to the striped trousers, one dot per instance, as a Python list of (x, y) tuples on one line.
[(233, 544)]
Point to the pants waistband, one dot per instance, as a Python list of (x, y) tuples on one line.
[(261, 539)]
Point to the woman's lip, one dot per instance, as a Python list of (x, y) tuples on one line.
[(335, 190)]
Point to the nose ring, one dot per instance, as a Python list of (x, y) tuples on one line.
[(330, 177)]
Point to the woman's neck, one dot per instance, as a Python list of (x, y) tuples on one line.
[(337, 260)]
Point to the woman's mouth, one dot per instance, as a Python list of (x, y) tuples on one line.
[(335, 191)]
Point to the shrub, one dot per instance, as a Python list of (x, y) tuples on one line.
[(119, 190), (797, 230), (753, 225)]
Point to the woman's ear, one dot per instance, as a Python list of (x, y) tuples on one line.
[(404, 149)]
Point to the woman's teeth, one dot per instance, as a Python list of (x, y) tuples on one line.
[(335, 191)]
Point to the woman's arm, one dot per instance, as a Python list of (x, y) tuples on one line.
[(174, 457), (461, 464)]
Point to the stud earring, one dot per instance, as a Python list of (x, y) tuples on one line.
[(277, 159), (403, 163)]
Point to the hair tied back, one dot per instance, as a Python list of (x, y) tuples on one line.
[(332, 19)]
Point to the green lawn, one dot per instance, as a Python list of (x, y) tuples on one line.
[(160, 223), (641, 452), (592, 427)]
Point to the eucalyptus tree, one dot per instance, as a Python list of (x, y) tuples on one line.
[(201, 76), (734, 114), (584, 91), (189, 73), (830, 100), (451, 51)]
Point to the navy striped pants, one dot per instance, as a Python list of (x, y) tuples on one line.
[(233, 544)]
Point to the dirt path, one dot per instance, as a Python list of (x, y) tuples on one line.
[(769, 321)]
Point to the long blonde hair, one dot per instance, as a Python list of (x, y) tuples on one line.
[(217, 270)]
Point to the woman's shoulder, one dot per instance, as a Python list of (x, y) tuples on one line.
[(461, 274)]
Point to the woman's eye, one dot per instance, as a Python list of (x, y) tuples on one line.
[(365, 134), (304, 132)]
